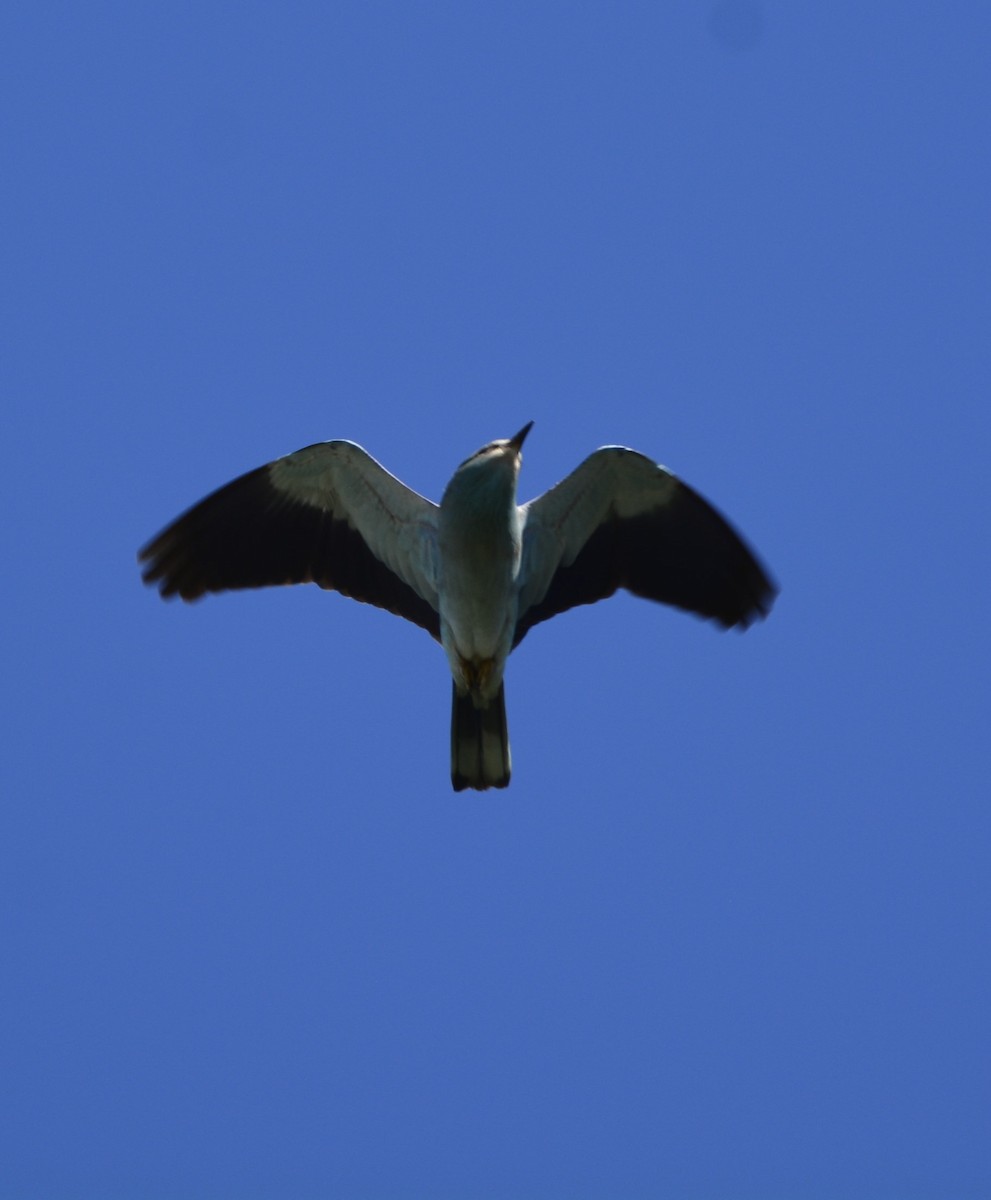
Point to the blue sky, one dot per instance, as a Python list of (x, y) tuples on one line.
[(726, 934)]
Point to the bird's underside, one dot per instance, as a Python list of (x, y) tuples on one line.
[(331, 515)]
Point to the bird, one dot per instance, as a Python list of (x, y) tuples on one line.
[(478, 571)]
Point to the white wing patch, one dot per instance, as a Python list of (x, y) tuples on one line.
[(613, 481), (398, 525)]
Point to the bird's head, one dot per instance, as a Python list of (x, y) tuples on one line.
[(503, 450), (489, 472)]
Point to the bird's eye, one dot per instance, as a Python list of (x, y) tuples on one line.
[(479, 453)]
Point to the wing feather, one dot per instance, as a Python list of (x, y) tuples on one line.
[(327, 514), (621, 521)]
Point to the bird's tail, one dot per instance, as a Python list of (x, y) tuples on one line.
[(479, 743)]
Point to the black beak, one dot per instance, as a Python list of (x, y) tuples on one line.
[(517, 442)]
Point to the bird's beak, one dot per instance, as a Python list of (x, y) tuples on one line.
[(517, 442)]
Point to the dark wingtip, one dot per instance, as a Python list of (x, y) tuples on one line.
[(161, 570), (756, 602)]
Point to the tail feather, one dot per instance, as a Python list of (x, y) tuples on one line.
[(479, 743)]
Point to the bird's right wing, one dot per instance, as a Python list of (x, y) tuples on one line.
[(328, 514), (621, 521)]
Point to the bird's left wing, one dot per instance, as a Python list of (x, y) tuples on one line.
[(621, 521), (328, 514)]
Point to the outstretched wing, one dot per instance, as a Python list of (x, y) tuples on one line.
[(622, 521), (328, 514)]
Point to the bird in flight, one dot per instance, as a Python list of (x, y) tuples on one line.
[(478, 571)]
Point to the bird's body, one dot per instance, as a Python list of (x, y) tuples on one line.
[(480, 547), (477, 571), (479, 543)]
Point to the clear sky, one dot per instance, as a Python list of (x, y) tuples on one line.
[(727, 933)]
